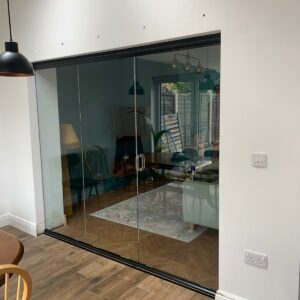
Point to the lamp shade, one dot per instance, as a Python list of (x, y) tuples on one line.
[(13, 63), (68, 137), (206, 83), (139, 89)]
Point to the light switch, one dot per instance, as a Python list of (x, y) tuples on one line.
[(259, 160)]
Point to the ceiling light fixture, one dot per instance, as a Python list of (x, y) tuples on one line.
[(206, 84), (199, 67), (13, 63), (174, 63), (188, 64)]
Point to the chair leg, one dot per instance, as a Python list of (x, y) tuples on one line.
[(90, 192), (79, 195), (96, 189)]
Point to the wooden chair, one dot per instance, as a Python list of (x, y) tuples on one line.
[(7, 271), (78, 179)]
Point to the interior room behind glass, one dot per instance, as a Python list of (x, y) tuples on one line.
[(130, 150)]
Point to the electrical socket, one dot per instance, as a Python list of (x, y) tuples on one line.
[(256, 259), (259, 160)]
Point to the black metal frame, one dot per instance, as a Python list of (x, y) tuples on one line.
[(199, 41), (133, 264)]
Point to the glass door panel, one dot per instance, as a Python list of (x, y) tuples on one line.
[(178, 188), (109, 151)]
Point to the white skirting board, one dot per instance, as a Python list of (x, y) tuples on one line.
[(4, 220), (227, 296), (21, 224)]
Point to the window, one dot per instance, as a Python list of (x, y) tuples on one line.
[(198, 111)]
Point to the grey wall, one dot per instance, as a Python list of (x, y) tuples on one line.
[(103, 86)]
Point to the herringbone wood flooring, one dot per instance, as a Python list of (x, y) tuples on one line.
[(60, 272), (196, 261)]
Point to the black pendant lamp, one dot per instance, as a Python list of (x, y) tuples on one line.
[(139, 89), (13, 63)]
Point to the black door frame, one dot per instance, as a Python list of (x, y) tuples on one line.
[(192, 42)]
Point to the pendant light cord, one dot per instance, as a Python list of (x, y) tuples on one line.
[(8, 11), (206, 59)]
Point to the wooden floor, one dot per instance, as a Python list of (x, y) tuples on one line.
[(196, 261), (60, 271)]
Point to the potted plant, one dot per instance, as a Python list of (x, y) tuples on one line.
[(156, 135)]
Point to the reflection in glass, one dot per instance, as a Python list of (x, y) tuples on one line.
[(178, 211), (141, 181)]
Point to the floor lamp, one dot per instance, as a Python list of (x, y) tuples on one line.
[(69, 141)]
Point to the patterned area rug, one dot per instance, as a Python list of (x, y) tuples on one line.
[(160, 211)]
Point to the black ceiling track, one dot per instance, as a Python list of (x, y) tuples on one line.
[(133, 264), (192, 42)]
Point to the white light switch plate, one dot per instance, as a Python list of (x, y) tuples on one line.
[(259, 160)]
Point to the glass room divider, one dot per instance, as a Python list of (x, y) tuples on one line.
[(130, 158)]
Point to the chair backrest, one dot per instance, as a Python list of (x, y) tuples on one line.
[(174, 138), (96, 161), (211, 154), (23, 276), (75, 165), (192, 154), (126, 146)]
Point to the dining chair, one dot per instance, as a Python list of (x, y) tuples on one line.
[(79, 177), (211, 154), (124, 165), (23, 276), (97, 164)]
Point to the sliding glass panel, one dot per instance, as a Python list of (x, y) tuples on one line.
[(88, 145), (109, 150), (178, 129)]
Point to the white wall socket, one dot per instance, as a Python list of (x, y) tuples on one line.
[(256, 259), (259, 160)]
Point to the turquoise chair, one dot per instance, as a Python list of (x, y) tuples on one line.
[(98, 168)]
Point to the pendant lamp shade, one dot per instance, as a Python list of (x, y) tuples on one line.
[(139, 89), (206, 83), (13, 63)]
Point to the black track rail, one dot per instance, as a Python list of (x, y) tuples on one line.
[(133, 264)]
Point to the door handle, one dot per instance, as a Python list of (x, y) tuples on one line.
[(143, 161), (140, 162)]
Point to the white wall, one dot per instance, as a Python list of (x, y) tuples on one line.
[(259, 208), (17, 163), (47, 101), (4, 204)]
